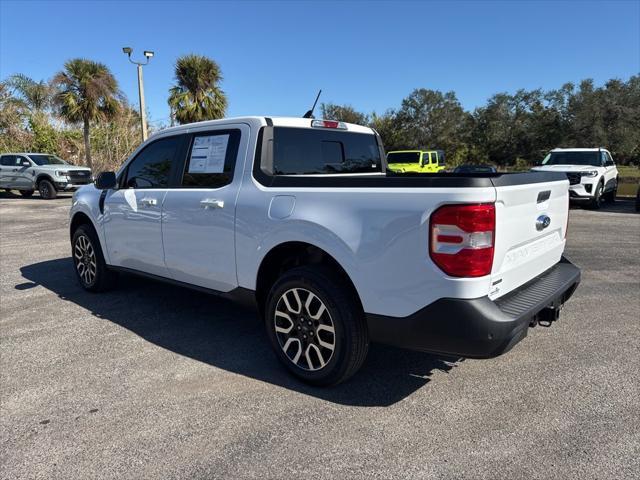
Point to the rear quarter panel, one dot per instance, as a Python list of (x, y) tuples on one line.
[(379, 237)]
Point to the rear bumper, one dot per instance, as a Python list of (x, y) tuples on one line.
[(479, 327)]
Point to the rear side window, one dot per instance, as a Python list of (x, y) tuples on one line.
[(211, 160), (305, 151), (8, 160), (152, 166), (405, 157)]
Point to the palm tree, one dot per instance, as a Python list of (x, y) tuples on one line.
[(87, 92), (35, 96), (196, 95)]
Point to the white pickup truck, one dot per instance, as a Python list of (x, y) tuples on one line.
[(301, 217)]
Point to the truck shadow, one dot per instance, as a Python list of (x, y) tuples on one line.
[(220, 333), (620, 206)]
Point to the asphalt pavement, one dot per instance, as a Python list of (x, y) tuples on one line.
[(156, 381)]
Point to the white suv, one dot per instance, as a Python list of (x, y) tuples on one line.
[(593, 177)]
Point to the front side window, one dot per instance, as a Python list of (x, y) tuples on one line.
[(211, 160), (304, 151), (152, 166), (47, 160)]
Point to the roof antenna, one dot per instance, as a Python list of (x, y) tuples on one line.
[(309, 114)]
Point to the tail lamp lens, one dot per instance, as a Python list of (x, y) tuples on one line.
[(462, 239)]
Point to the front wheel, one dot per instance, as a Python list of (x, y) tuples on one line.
[(47, 190), (316, 326), (596, 203), (611, 196), (91, 269)]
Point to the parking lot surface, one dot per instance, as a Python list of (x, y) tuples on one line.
[(155, 381)]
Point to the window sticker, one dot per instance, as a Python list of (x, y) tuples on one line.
[(208, 154)]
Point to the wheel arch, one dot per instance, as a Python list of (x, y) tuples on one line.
[(44, 176), (287, 255), (80, 218)]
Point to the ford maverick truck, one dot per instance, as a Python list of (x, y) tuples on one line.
[(301, 217)]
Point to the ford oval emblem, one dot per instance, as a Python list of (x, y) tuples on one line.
[(542, 222)]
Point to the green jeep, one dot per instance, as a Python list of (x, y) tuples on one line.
[(421, 161)]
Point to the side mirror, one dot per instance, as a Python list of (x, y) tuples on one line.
[(106, 181), (25, 163)]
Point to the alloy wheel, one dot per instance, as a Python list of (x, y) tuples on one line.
[(85, 257), (304, 329)]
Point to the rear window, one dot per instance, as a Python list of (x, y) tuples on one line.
[(403, 157), (304, 151)]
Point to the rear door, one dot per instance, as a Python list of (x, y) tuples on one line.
[(198, 226), (7, 165), (133, 213), (531, 223)]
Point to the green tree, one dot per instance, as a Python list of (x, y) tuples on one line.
[(197, 96), (343, 113), (87, 92), (35, 96), (429, 119)]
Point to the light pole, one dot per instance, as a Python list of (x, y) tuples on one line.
[(143, 114)]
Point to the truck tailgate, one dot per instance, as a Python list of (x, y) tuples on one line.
[(531, 222)]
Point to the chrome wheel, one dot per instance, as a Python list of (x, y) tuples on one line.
[(304, 329), (85, 257)]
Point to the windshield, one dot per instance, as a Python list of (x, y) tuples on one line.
[(403, 157), (306, 151), (572, 158), (47, 160)]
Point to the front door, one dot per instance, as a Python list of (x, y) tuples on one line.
[(198, 225), (24, 177), (133, 213)]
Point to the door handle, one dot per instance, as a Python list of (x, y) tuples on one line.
[(211, 203), (149, 202)]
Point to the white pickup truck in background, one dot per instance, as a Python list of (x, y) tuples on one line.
[(301, 217)]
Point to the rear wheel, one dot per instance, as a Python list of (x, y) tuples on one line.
[(26, 193), (91, 269), (47, 190), (315, 326)]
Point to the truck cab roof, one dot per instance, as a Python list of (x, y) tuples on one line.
[(258, 121)]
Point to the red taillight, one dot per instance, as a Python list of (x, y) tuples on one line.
[(566, 227), (462, 239), (328, 124)]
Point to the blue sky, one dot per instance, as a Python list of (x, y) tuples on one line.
[(276, 55)]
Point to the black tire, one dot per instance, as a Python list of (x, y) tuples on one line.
[(47, 190), (611, 196), (343, 311), (26, 193), (598, 197), (86, 251)]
